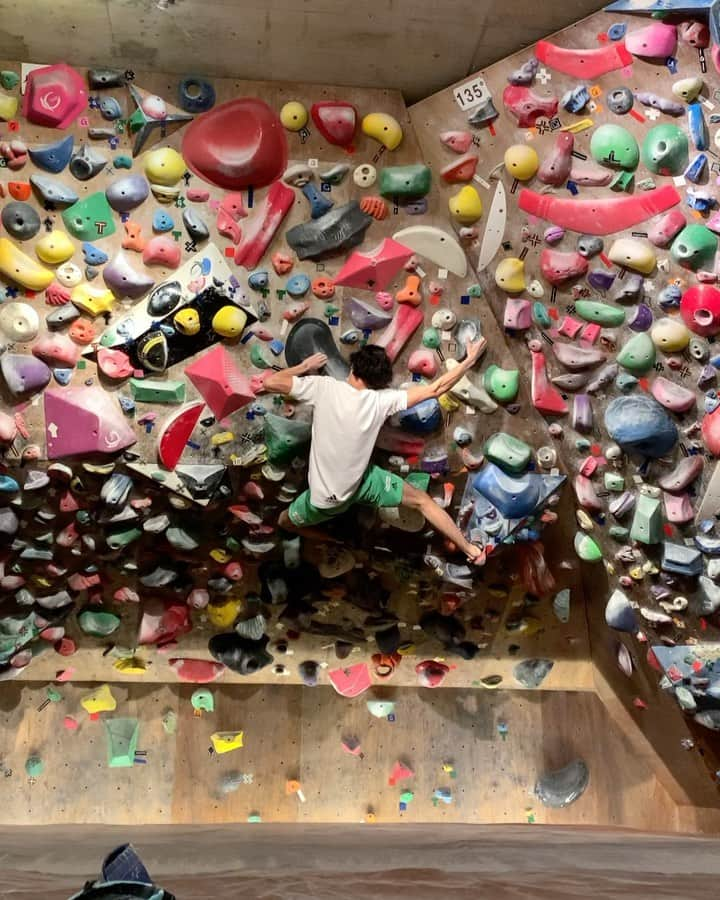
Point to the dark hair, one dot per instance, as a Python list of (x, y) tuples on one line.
[(371, 365)]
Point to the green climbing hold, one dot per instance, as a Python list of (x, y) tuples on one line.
[(665, 150), (257, 357), (330, 311), (638, 354), (501, 384), (203, 700), (626, 382), (603, 313), (431, 338), (647, 523), (90, 219), (407, 797), (119, 539), (97, 623), (508, 453), (695, 247), (150, 390), (405, 181), (169, 721), (613, 481), (540, 315), (34, 766), (587, 548), (9, 79), (285, 438), (582, 445), (623, 181), (53, 695), (123, 162), (613, 145), (475, 291), (122, 740), (618, 532)]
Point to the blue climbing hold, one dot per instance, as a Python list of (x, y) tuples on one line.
[(53, 157), (319, 204), (162, 221), (259, 281), (8, 485), (110, 109), (298, 285), (422, 418), (669, 297), (617, 31), (514, 496), (697, 127), (92, 255), (640, 425), (196, 95), (63, 376)]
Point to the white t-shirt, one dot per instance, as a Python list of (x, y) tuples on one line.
[(345, 426)]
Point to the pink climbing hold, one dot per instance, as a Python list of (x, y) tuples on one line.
[(352, 680), (84, 420), (197, 671), (162, 251), (555, 168), (219, 382), (431, 673), (527, 106), (54, 96), (558, 267), (656, 41)]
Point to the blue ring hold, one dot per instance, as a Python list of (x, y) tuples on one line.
[(196, 103)]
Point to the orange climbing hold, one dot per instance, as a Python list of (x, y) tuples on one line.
[(134, 239), (411, 292), (375, 207)]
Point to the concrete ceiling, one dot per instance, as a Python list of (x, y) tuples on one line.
[(418, 46)]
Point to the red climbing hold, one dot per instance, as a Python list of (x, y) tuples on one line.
[(336, 121)]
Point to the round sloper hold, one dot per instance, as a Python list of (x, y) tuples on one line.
[(564, 786), (20, 220), (127, 193), (309, 336), (19, 321), (196, 95), (237, 144)]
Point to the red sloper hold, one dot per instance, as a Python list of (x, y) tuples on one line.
[(176, 431), (237, 144), (558, 267), (352, 681), (54, 96), (527, 106), (262, 227), (198, 671), (220, 383), (335, 120), (711, 431), (163, 621), (591, 63)]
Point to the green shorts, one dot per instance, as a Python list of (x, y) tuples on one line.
[(378, 488)]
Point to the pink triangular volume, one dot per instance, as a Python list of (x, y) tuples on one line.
[(84, 420), (220, 383)]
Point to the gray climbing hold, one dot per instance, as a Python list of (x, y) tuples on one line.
[(127, 193), (708, 718), (531, 673), (86, 163), (619, 613), (563, 786), (53, 191), (194, 225), (341, 228), (709, 599), (20, 220)]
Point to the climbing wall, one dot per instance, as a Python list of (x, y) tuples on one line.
[(596, 163), (144, 479)]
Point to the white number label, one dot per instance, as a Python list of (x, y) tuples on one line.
[(471, 94)]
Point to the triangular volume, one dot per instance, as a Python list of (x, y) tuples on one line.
[(152, 118), (219, 382), (84, 420)]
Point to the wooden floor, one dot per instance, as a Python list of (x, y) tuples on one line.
[(296, 733)]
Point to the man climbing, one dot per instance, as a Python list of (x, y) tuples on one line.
[(347, 417)]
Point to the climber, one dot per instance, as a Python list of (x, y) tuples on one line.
[(347, 417)]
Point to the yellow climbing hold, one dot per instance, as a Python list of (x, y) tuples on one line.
[(510, 275), (225, 741), (449, 403), (224, 437), (521, 162), (18, 267), (466, 205), (164, 166), (55, 248), (93, 300), (99, 700), (223, 614), (229, 321), (384, 128), (187, 321), (130, 665), (220, 555), (8, 106), (670, 335), (294, 116)]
